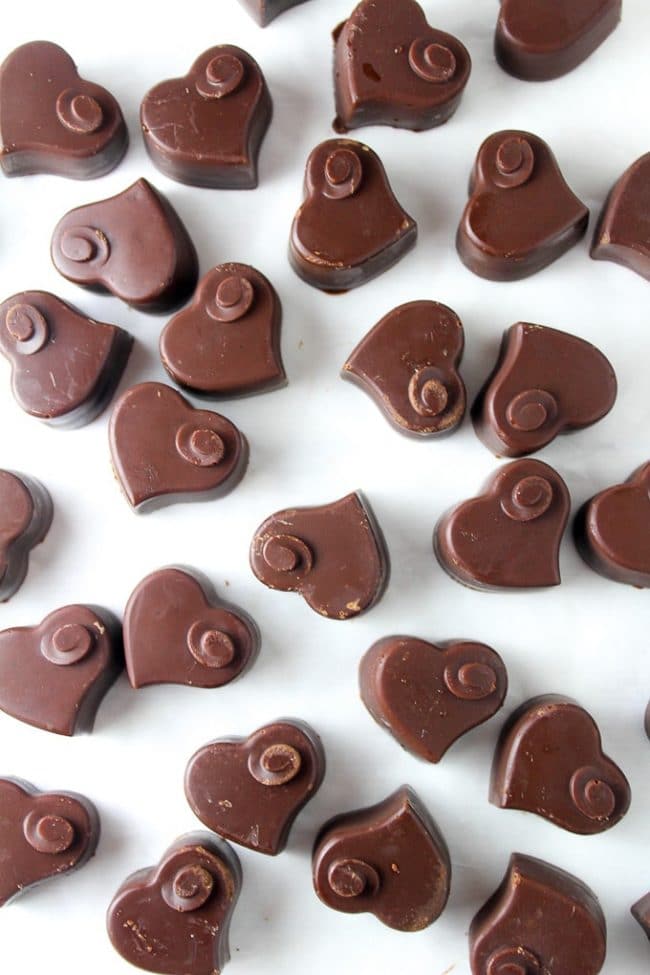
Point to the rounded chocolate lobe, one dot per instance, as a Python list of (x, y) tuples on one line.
[(48, 833), (210, 647), (277, 765), (531, 409), (223, 76), (189, 889), (514, 162), (233, 299), (343, 174), (68, 644), (591, 794), (432, 62), (27, 327), (79, 113), (83, 245), (200, 446), (472, 681), (350, 877), (428, 395), (513, 960), (530, 498), (286, 553)]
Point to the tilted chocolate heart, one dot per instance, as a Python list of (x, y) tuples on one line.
[(408, 363), (545, 382), (428, 696), (333, 555), (521, 215), (25, 518), (509, 536), (176, 631), (641, 913), (622, 233), (42, 835), (164, 450), (389, 860), (264, 11), (250, 790), (392, 68), (53, 121), (227, 342), (549, 761), (54, 675), (175, 917)]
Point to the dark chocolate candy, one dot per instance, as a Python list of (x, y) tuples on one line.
[(53, 121), (623, 231), (42, 835), (392, 68), (408, 363), (176, 631), (549, 761), (537, 40), (333, 555), (646, 722), (350, 227), (65, 366), (264, 11), (165, 450), (206, 128), (508, 537), (132, 245), (54, 675), (539, 921), (250, 790), (641, 913), (175, 917), (521, 215), (612, 530), (545, 382), (389, 860), (428, 695), (227, 342), (25, 518)]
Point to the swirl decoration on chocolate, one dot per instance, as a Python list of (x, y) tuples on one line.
[(68, 644), (27, 327), (275, 765), (85, 245), (343, 174), (224, 74)]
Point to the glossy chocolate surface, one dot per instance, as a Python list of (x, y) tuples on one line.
[(622, 234), (25, 518), (264, 11), (641, 913)]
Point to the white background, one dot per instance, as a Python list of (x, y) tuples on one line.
[(313, 442)]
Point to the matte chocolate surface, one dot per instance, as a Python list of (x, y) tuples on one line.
[(408, 363), (25, 518), (622, 234), (521, 214), (392, 68), (264, 11), (53, 121), (250, 790), (132, 245), (206, 128), (641, 913), (549, 761)]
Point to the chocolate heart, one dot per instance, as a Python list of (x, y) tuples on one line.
[(391, 68), (389, 860), (132, 245), (175, 917), (250, 790), (165, 450), (54, 675), (622, 232), (206, 128), (427, 696), (508, 537), (538, 41), (264, 11), (52, 121), (350, 227), (549, 761), (65, 366), (612, 530), (408, 363), (521, 215), (539, 921), (545, 382), (42, 835), (25, 519), (227, 342), (176, 631), (333, 555), (641, 913)]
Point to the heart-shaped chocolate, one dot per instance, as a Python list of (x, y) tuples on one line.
[(227, 342), (54, 675), (250, 790), (537, 41), (206, 128), (428, 696), (53, 121), (539, 921), (641, 913), (176, 631), (612, 530), (165, 450), (622, 232), (264, 11), (175, 917), (64, 366), (350, 227), (333, 555), (42, 835), (545, 382), (521, 215), (132, 245), (509, 536), (392, 68), (408, 363), (25, 518), (549, 761), (389, 860)]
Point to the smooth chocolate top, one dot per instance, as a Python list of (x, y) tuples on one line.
[(25, 518), (264, 11), (622, 234)]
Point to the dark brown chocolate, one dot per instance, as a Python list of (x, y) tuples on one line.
[(641, 913), (622, 233), (646, 722), (25, 518), (264, 11)]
